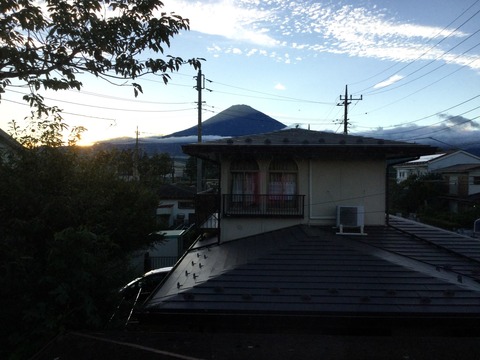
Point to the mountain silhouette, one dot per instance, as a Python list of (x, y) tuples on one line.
[(237, 120)]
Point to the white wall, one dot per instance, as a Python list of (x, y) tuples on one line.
[(347, 183), (175, 210), (473, 189), (326, 184)]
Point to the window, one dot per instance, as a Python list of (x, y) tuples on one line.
[(282, 182), (244, 181), (476, 180), (272, 192)]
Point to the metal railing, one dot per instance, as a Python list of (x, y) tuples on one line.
[(266, 205)]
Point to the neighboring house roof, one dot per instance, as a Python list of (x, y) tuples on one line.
[(8, 142), (406, 270), (176, 192), (421, 160), (430, 160), (309, 144)]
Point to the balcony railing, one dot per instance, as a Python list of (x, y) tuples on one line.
[(265, 205)]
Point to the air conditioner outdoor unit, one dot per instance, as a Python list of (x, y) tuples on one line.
[(476, 228), (351, 217)]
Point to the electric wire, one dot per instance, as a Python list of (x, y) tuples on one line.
[(431, 48), (373, 92)]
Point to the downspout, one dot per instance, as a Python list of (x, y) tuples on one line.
[(220, 202)]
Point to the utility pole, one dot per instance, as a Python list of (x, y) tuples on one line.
[(200, 86), (346, 101), (136, 174)]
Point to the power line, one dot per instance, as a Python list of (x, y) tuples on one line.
[(105, 107), (429, 40), (278, 97), (429, 63), (435, 114)]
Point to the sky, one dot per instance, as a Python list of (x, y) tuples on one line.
[(412, 69)]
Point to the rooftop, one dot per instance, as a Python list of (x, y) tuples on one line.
[(308, 143), (402, 270)]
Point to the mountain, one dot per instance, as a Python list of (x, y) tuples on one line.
[(235, 121)]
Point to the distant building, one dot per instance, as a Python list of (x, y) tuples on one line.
[(429, 163), (177, 205), (463, 186)]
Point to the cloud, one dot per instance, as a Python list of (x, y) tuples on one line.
[(460, 121), (392, 80), (452, 131), (280, 86), (312, 27), (226, 18)]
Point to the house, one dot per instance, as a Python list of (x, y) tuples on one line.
[(463, 186), (278, 260), (429, 163), (298, 176), (176, 207)]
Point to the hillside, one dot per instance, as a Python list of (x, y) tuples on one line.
[(237, 120)]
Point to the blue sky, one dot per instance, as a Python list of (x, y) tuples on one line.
[(415, 63)]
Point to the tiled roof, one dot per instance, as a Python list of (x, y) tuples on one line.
[(6, 141), (311, 271), (170, 191), (308, 142), (422, 160)]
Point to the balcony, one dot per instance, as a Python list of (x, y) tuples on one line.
[(265, 205)]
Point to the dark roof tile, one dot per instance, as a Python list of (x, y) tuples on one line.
[(310, 270)]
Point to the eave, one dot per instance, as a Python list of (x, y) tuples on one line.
[(213, 152), (308, 144)]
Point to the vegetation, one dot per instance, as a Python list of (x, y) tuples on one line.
[(68, 225), (69, 221), (48, 44), (423, 197)]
